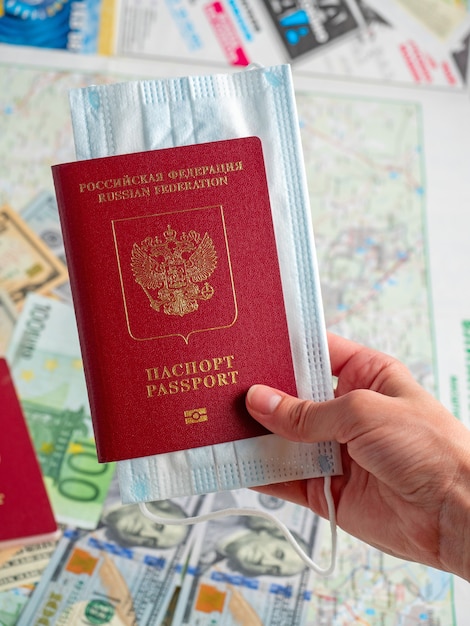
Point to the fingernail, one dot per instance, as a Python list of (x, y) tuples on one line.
[(263, 399)]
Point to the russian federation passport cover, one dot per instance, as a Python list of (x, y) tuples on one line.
[(177, 292), (25, 511)]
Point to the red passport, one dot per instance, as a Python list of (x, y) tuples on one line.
[(177, 293), (25, 512)]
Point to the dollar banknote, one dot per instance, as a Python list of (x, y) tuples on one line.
[(24, 565), (42, 216), (243, 571), (123, 573), (8, 316), (45, 362), (26, 263), (21, 567)]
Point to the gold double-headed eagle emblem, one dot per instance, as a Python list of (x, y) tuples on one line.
[(173, 271)]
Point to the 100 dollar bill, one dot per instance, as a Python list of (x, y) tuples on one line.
[(42, 216), (8, 316), (45, 361), (24, 565), (243, 570), (122, 574)]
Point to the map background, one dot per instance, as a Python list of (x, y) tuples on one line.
[(365, 169), (382, 243)]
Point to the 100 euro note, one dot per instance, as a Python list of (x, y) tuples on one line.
[(45, 362)]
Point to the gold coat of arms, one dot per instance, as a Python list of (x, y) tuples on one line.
[(173, 271)]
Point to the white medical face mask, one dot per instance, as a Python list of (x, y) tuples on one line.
[(147, 115), (152, 114)]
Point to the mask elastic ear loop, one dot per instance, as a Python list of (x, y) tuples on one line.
[(188, 521)]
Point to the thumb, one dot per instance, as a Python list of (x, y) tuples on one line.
[(291, 418)]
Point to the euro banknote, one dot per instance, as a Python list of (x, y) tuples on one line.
[(46, 365)]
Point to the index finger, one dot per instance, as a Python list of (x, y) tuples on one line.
[(341, 351), (359, 367)]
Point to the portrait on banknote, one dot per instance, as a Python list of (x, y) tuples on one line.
[(249, 545), (126, 525)]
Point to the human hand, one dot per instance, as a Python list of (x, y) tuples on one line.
[(406, 459)]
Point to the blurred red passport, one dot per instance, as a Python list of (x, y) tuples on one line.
[(25, 512)]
